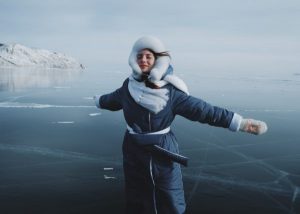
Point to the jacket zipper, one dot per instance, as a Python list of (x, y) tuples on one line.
[(154, 198), (151, 174), (149, 117)]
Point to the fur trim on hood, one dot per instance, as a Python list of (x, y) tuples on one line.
[(162, 71), (161, 64)]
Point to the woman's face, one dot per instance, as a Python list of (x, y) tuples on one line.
[(145, 60)]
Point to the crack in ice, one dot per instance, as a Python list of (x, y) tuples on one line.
[(57, 153), (287, 187)]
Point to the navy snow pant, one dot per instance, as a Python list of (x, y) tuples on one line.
[(152, 184)]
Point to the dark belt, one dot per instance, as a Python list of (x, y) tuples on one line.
[(151, 143), (170, 155)]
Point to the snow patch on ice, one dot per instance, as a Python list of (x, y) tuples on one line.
[(37, 105), (64, 122), (62, 87), (94, 114), (88, 98), (109, 177), (108, 168), (296, 193)]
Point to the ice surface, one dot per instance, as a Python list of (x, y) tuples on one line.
[(224, 166)]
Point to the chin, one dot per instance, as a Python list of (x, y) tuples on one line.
[(146, 71)]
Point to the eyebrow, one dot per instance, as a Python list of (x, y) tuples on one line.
[(145, 54)]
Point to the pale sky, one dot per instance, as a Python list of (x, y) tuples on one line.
[(214, 34)]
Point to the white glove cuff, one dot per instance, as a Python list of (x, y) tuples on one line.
[(97, 100), (235, 122)]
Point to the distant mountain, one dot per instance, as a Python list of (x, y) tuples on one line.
[(16, 55)]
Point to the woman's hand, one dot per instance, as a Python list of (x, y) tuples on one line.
[(253, 126)]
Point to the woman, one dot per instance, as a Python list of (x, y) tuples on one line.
[(150, 99)]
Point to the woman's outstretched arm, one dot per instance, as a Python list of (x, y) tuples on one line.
[(196, 109), (110, 101)]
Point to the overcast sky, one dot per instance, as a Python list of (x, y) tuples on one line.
[(211, 34)]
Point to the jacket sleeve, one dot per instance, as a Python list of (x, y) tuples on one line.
[(196, 109), (112, 101)]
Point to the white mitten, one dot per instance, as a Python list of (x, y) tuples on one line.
[(97, 100), (253, 126)]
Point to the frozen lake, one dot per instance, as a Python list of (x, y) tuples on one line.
[(60, 154)]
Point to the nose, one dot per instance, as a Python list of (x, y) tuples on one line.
[(143, 59)]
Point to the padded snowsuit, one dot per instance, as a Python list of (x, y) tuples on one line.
[(153, 184)]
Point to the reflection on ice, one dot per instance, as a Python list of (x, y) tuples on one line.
[(12, 79)]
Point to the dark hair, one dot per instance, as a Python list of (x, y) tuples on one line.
[(145, 76), (156, 55)]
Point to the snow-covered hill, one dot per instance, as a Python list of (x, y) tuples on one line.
[(16, 55)]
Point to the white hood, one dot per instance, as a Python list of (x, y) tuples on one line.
[(161, 64), (162, 71)]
